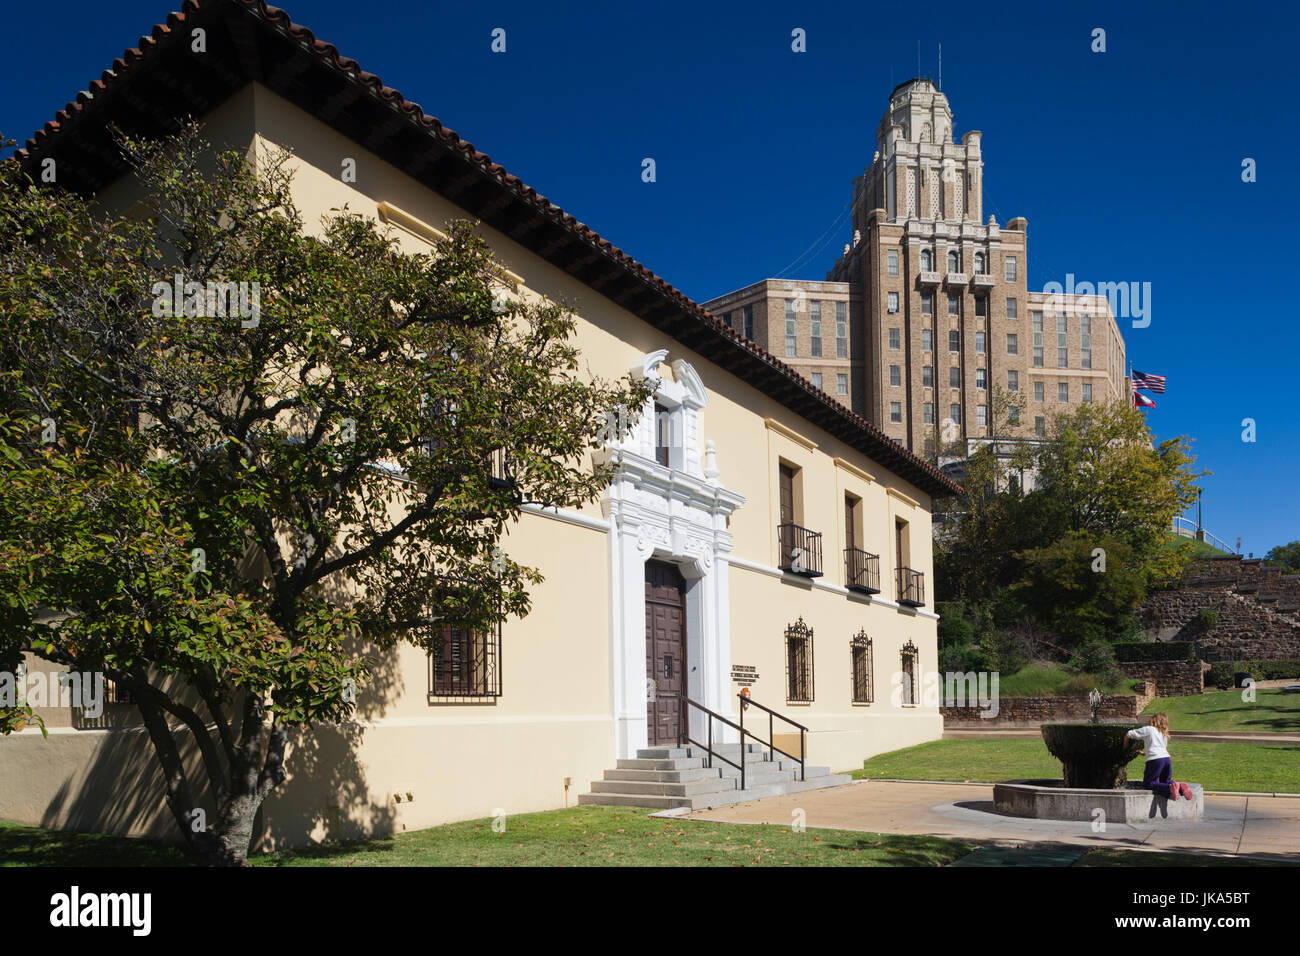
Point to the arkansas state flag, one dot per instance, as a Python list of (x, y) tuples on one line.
[(1142, 401)]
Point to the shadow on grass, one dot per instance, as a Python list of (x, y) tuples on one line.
[(35, 846), (324, 851)]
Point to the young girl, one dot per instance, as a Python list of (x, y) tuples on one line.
[(1159, 770)]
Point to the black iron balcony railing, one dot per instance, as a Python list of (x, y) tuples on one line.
[(861, 571), (502, 469), (801, 550), (911, 587)]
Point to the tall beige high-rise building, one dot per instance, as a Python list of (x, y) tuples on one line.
[(925, 324)]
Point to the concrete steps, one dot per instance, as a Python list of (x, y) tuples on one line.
[(666, 778)]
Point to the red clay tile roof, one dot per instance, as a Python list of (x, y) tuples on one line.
[(248, 44)]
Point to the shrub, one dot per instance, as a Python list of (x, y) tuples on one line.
[(963, 658), (1139, 651), (955, 629), (1206, 618)]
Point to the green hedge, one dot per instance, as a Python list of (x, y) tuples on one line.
[(1221, 671), (1137, 651)]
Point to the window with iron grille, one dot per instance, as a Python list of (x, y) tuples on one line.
[(115, 693), (799, 662), (910, 673), (860, 664), (465, 664)]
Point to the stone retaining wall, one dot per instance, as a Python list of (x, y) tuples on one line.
[(1034, 711), (1174, 678)]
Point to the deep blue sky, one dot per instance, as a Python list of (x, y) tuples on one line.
[(1127, 164)]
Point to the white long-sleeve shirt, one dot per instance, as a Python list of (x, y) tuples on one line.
[(1153, 742)]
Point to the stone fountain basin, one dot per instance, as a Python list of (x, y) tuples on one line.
[(1052, 800)]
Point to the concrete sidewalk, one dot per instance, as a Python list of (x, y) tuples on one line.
[(1233, 825)]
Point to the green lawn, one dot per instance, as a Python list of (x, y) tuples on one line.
[(583, 836), (586, 836), (1273, 710), (1048, 680), (1216, 766), (34, 846)]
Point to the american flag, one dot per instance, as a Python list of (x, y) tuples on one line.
[(1152, 383)]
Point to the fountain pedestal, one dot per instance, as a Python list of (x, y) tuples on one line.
[(1052, 800)]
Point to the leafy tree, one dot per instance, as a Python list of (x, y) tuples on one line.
[(1287, 555), (1102, 483), (236, 511)]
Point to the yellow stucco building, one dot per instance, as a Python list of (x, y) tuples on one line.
[(758, 535)]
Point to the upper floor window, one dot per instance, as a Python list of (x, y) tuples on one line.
[(891, 258), (1087, 391), (954, 304), (954, 341), (927, 261), (981, 307), (979, 263), (1012, 309), (841, 330), (749, 321), (979, 343), (817, 379), (892, 302), (927, 376), (790, 330), (895, 375), (841, 384), (896, 412), (815, 328), (895, 340), (927, 303), (1010, 263), (1013, 346), (1013, 380), (927, 340), (954, 260)]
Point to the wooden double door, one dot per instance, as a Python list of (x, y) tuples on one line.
[(665, 650)]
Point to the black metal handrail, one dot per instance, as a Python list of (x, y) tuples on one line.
[(745, 702), (684, 734), (861, 571), (911, 587), (808, 560)]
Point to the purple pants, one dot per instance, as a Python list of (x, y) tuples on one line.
[(1157, 776)]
